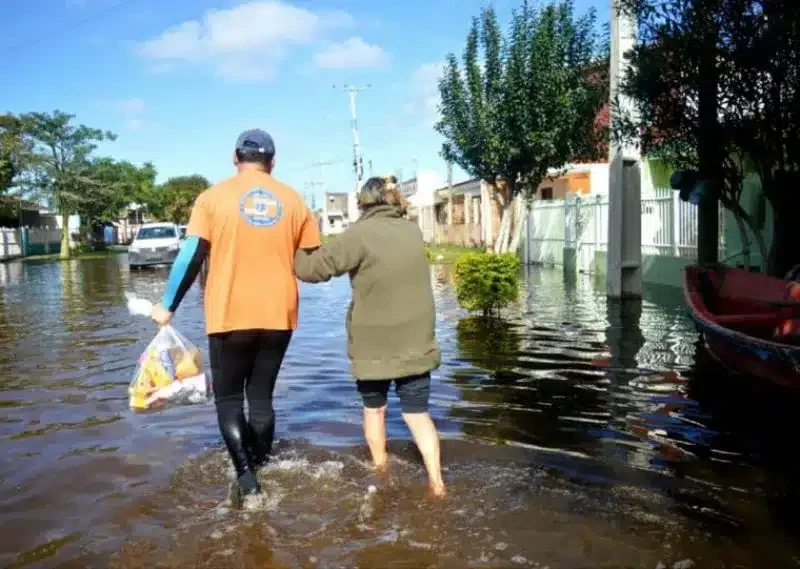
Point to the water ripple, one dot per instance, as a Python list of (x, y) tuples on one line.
[(576, 433)]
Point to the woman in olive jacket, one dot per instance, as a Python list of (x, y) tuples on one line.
[(391, 318)]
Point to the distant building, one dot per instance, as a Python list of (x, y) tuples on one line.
[(334, 217), (420, 192)]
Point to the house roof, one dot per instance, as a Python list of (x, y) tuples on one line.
[(26, 205)]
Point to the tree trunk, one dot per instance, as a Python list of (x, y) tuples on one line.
[(784, 254), (519, 222), (501, 244), (66, 253)]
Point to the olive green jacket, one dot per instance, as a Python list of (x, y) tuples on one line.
[(391, 319)]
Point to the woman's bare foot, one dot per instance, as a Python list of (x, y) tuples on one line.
[(436, 491), (381, 467)]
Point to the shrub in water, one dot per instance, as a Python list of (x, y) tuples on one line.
[(486, 282)]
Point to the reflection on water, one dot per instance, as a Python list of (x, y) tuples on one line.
[(577, 433)]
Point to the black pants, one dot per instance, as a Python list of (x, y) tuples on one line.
[(247, 362)]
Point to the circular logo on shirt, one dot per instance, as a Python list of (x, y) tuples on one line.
[(260, 208)]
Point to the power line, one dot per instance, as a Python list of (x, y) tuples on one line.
[(26, 44)]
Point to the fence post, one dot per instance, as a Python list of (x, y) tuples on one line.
[(24, 238), (676, 224), (598, 210), (569, 253)]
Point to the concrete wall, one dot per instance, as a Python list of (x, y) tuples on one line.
[(664, 270), (15, 243), (43, 241)]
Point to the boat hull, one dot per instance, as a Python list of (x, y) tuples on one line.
[(740, 352)]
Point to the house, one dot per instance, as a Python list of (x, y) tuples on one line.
[(580, 179), (468, 214), (420, 191), (335, 213), (22, 213)]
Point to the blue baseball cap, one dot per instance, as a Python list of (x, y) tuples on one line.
[(256, 140)]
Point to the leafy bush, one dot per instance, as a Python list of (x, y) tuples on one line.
[(487, 282)]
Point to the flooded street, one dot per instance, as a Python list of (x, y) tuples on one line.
[(577, 434)]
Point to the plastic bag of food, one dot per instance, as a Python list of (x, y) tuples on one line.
[(170, 371)]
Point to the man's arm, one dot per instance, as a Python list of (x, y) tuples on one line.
[(184, 271), (335, 258), (188, 263)]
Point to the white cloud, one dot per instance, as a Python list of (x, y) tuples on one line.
[(425, 86), (131, 111), (243, 42), (130, 106), (353, 53), (134, 124)]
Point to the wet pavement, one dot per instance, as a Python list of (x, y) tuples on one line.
[(577, 434)]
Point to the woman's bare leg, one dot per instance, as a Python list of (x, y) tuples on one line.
[(375, 433), (427, 438)]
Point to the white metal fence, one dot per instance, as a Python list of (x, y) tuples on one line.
[(10, 243), (669, 227)]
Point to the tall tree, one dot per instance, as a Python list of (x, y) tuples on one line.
[(61, 157), (750, 50), (529, 104), (109, 186), (14, 157), (12, 150), (180, 194)]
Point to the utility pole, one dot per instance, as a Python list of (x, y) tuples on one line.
[(624, 256), (358, 166)]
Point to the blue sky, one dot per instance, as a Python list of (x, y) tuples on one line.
[(177, 80)]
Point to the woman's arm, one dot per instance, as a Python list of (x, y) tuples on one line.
[(335, 258)]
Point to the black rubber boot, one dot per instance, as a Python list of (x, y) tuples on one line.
[(248, 484), (237, 435), (262, 432)]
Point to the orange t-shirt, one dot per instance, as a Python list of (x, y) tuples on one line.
[(255, 225)]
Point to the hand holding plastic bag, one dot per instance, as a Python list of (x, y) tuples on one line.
[(170, 371)]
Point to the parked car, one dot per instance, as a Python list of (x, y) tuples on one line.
[(154, 244)]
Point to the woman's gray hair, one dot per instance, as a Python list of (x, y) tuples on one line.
[(382, 190)]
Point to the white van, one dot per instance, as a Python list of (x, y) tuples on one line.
[(154, 244)]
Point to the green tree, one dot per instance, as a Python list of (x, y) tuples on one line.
[(740, 59), (109, 186), (13, 150), (14, 158), (147, 192), (530, 103), (62, 161), (180, 194)]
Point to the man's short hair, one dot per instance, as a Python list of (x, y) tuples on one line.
[(255, 146)]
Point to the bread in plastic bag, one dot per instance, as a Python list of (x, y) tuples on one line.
[(170, 372)]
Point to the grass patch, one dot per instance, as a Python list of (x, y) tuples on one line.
[(79, 255), (447, 254), (437, 254)]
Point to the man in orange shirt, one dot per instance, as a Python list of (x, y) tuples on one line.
[(248, 228)]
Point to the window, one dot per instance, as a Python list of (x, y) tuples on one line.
[(156, 233), (546, 194), (183, 232)]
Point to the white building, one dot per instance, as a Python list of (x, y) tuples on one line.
[(420, 191), (335, 212)]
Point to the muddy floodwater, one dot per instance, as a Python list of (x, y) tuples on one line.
[(577, 434)]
